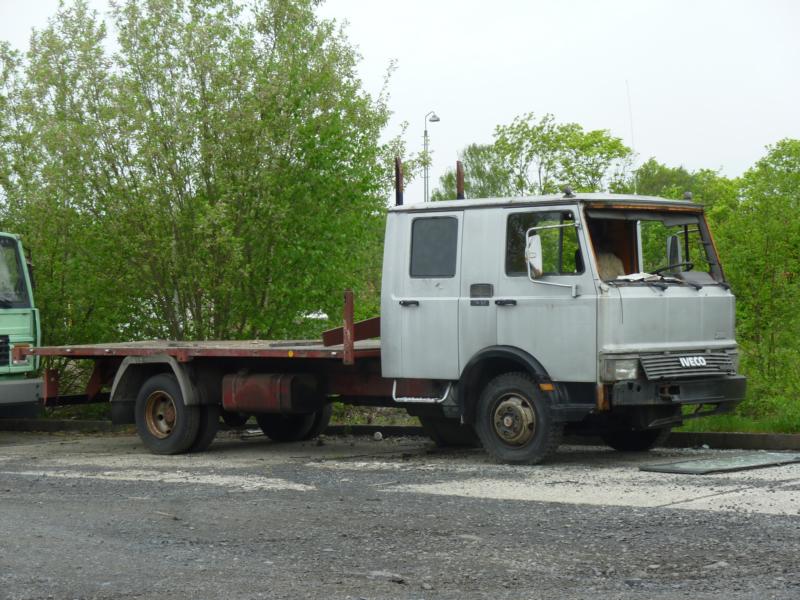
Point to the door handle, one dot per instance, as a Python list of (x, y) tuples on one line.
[(409, 302), (505, 302)]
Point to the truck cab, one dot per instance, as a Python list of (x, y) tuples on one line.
[(594, 313), (19, 326)]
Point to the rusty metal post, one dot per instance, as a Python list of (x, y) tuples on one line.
[(348, 329), (51, 384), (459, 180), (398, 181)]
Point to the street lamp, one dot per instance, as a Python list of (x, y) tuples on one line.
[(433, 118)]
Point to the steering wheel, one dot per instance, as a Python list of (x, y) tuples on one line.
[(668, 267)]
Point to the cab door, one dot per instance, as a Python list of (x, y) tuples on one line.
[(427, 302), (542, 317), (482, 251)]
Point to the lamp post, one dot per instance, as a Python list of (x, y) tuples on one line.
[(433, 118)]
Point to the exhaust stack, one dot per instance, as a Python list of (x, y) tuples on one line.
[(459, 180), (398, 181)]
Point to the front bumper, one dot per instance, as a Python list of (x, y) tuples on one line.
[(20, 391), (727, 391)]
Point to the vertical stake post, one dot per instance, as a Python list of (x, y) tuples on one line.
[(348, 329)]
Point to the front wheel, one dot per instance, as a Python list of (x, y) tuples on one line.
[(636, 441), (164, 423), (515, 422)]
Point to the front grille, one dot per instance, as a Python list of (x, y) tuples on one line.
[(669, 366), (4, 350)]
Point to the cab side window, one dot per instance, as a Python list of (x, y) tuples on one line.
[(561, 253), (434, 247)]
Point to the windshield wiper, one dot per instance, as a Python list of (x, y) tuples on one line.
[(662, 283), (653, 284), (657, 284)]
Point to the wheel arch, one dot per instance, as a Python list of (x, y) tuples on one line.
[(488, 364), (135, 370)]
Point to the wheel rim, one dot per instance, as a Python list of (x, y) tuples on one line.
[(514, 420), (160, 414)]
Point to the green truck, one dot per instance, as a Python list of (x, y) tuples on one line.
[(20, 392)]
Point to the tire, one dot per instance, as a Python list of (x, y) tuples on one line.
[(449, 432), (322, 419), (295, 428), (209, 425), (286, 428), (164, 423), (636, 441), (515, 422), (233, 419)]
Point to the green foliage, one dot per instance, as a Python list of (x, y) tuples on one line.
[(484, 175), (759, 241), (219, 176), (539, 156)]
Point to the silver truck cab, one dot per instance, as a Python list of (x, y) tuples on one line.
[(602, 314)]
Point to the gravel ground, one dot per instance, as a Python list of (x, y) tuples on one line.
[(97, 517)]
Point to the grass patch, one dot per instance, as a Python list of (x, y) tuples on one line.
[(100, 411), (740, 424), (344, 414)]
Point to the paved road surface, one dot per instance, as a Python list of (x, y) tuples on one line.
[(97, 517)]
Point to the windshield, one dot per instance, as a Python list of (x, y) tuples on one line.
[(648, 245), (13, 287)]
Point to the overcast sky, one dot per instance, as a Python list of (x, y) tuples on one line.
[(711, 82)]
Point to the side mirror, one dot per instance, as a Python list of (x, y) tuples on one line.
[(533, 256), (30, 274), (674, 252)]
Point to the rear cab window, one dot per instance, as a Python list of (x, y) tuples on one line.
[(434, 247)]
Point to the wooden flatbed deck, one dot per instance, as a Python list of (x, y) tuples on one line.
[(185, 351)]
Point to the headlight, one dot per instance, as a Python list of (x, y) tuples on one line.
[(620, 369)]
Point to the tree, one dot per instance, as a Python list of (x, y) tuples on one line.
[(759, 241), (484, 175), (539, 156), (543, 155), (708, 187), (219, 176)]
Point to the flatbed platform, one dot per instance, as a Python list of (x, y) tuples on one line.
[(185, 351)]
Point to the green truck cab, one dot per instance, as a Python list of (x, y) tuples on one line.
[(20, 391)]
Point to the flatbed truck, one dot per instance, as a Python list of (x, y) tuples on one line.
[(504, 322)]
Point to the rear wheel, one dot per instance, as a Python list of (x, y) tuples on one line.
[(233, 419), (164, 423), (636, 441), (322, 419), (449, 432), (209, 425), (515, 422)]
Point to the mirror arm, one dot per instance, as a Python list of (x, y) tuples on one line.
[(572, 286)]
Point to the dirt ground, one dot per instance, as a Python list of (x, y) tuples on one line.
[(97, 517)]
